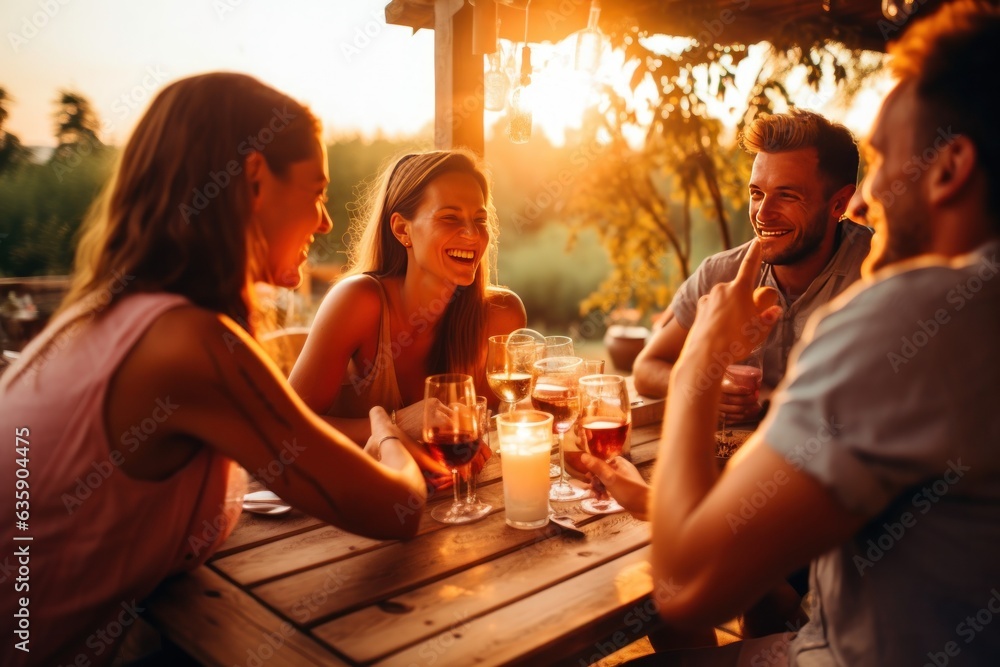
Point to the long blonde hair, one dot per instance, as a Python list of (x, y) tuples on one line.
[(175, 215), (373, 248)]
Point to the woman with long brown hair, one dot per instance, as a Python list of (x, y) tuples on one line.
[(135, 405), (416, 299)]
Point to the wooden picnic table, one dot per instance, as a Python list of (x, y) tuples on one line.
[(292, 590)]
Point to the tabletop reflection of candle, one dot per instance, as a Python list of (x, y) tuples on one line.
[(525, 448)]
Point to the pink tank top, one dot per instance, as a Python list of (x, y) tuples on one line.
[(100, 540)]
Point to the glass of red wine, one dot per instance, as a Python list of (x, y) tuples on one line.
[(555, 390), (605, 419), (452, 435)]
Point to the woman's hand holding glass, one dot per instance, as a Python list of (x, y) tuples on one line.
[(623, 481)]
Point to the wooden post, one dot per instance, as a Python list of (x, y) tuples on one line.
[(458, 79)]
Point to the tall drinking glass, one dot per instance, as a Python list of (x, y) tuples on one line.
[(508, 368), (451, 433), (483, 415), (605, 418), (745, 375), (555, 390)]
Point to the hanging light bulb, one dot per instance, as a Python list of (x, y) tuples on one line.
[(590, 42), (896, 9), (495, 84), (519, 115)]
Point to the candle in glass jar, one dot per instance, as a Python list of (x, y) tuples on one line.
[(525, 448)]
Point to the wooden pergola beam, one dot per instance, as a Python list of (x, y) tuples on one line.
[(458, 79)]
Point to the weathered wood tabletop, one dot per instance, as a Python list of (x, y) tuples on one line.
[(291, 590)]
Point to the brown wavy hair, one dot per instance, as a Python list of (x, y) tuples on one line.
[(835, 145), (175, 215), (374, 249)]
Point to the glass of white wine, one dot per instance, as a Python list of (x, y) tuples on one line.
[(508, 368)]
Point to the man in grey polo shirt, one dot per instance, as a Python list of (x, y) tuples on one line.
[(804, 174)]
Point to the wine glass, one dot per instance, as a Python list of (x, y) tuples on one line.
[(745, 376), (483, 420), (605, 418), (508, 368), (451, 433), (555, 390), (558, 346), (548, 346)]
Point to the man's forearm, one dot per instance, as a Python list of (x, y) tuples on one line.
[(687, 469), (652, 376)]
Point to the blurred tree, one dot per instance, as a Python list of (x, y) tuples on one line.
[(76, 126), (12, 153)]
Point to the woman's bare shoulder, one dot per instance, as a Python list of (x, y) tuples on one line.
[(360, 296)]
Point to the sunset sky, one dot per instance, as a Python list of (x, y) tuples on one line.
[(339, 56)]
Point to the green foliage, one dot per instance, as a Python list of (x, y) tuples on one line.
[(12, 153), (353, 163), (43, 207)]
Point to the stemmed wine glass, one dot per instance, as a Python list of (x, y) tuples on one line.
[(558, 346), (508, 368), (452, 435), (605, 418), (555, 390), (743, 376)]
